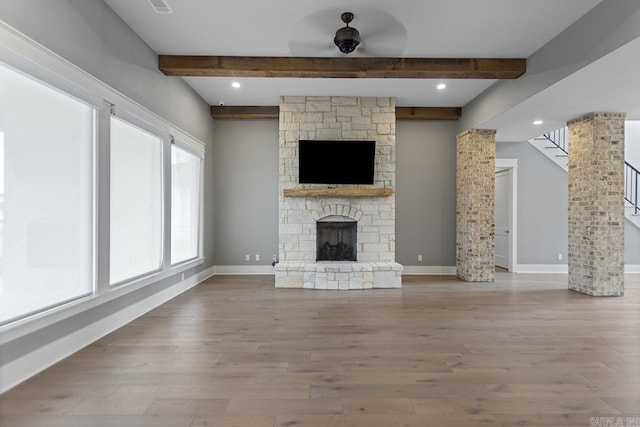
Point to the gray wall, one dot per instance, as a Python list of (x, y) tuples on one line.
[(246, 179), (426, 193), (245, 162), (246, 187), (542, 208), (90, 35), (542, 204)]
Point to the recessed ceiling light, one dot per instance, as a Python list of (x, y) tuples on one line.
[(235, 85), (537, 122), (160, 6), (441, 86)]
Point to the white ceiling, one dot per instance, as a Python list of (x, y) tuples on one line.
[(403, 28), (408, 92), (613, 85), (435, 28)]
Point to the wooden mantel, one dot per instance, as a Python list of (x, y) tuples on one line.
[(337, 192)]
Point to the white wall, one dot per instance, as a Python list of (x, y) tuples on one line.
[(608, 26), (632, 142)]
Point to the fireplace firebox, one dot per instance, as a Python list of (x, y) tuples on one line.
[(336, 241)]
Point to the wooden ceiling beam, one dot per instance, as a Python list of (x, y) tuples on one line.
[(428, 113), (273, 112), (245, 112), (310, 67)]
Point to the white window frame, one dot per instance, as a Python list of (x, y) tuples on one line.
[(26, 55), (84, 98), (135, 121), (187, 147)]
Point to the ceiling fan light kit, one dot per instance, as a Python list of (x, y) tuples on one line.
[(347, 38)]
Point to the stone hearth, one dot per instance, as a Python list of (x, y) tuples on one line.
[(337, 118)]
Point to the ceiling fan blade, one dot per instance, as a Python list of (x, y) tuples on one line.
[(386, 42), (385, 35), (322, 22), (381, 33), (312, 48), (313, 34)]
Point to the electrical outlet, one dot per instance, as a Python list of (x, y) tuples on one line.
[(257, 257), (559, 257), (419, 257), (247, 257)]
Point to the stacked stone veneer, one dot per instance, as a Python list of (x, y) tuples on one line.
[(337, 118), (596, 204), (475, 200)]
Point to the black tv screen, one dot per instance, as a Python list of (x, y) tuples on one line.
[(336, 162)]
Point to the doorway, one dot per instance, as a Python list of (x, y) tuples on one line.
[(505, 214)]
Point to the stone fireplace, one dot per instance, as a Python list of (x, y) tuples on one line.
[(317, 224)]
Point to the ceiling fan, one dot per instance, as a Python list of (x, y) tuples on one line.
[(347, 38), (318, 34)]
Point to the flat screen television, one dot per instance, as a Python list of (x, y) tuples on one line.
[(336, 162)]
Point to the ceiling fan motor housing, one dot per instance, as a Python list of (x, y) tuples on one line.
[(347, 38)]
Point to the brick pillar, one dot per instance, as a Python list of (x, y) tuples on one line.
[(596, 204), (475, 199)]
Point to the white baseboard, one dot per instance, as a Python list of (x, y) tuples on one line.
[(242, 270), (408, 270), (563, 268), (632, 268), (432, 270), (542, 268), (17, 371)]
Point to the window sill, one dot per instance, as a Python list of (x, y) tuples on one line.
[(27, 325)]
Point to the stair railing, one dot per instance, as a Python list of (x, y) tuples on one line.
[(559, 139), (631, 186)]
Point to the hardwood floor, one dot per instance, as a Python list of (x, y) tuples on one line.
[(234, 351)]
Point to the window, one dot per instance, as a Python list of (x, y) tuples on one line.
[(185, 205), (136, 246), (88, 183), (46, 196)]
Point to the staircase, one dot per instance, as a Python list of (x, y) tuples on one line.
[(555, 146)]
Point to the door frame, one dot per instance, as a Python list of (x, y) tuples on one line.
[(511, 165)]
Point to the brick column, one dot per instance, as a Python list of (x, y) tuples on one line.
[(475, 199), (596, 204)]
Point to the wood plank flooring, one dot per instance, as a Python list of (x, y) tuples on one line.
[(234, 351)]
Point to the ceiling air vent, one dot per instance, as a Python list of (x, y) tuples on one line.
[(160, 6)]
